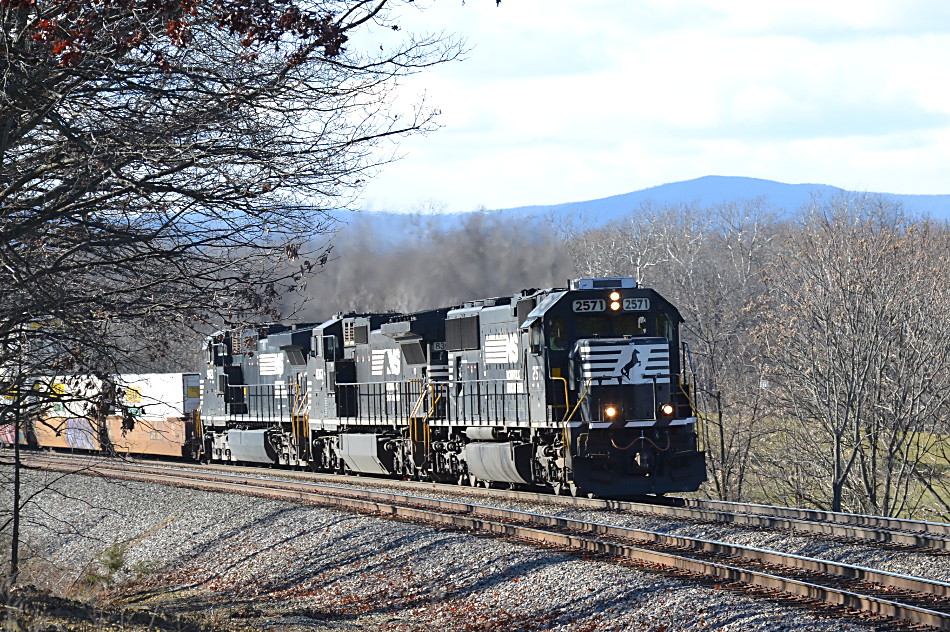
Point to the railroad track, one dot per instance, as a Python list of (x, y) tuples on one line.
[(877, 529), (883, 530), (872, 592)]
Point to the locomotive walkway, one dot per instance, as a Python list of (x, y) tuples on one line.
[(776, 575)]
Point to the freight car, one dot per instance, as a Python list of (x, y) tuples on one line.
[(577, 389), (151, 414)]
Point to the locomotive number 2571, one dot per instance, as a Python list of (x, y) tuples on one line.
[(590, 305), (636, 304)]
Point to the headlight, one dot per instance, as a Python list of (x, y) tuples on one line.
[(666, 410), (610, 411), (615, 306), (615, 296)]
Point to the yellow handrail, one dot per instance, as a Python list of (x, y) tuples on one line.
[(425, 424), (297, 421), (422, 396), (199, 431), (432, 410), (581, 399), (564, 428), (427, 389), (567, 403), (686, 394), (565, 437)]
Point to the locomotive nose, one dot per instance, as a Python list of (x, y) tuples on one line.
[(625, 379), (624, 361)]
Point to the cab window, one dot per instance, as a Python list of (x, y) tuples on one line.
[(607, 326), (593, 326), (557, 334), (664, 327), (632, 325)]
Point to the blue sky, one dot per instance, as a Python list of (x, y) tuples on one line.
[(567, 100)]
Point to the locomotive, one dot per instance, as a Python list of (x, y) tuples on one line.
[(577, 390)]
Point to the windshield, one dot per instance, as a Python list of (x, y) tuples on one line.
[(607, 326)]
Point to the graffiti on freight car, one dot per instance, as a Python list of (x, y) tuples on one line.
[(80, 434), (7, 433)]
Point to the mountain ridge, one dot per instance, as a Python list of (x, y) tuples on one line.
[(711, 190), (393, 228)]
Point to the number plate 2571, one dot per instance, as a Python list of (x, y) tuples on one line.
[(590, 305)]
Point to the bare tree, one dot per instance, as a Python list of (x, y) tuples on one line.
[(436, 263), (912, 388), (856, 351), (713, 273), (819, 348), (931, 473), (158, 159), (629, 247)]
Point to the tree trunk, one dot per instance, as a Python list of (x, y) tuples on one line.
[(15, 526)]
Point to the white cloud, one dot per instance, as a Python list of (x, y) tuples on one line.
[(562, 100)]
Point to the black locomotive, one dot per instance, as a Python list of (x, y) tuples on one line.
[(577, 389)]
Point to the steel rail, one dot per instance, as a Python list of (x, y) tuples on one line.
[(525, 525), (940, 529), (877, 529), (882, 530)]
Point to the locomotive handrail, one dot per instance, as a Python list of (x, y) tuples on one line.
[(485, 381), (567, 402), (299, 418), (426, 432), (688, 396), (413, 432), (484, 406), (387, 410), (426, 388), (431, 412), (581, 399), (689, 370), (417, 425), (381, 382), (565, 433), (199, 432), (261, 402), (432, 408)]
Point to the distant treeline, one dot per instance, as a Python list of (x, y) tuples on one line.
[(430, 265)]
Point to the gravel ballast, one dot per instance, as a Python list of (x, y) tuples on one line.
[(896, 559), (236, 561)]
